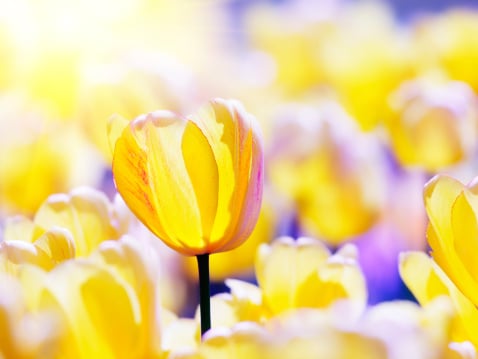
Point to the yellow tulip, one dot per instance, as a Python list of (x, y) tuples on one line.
[(331, 172), (447, 41), (103, 314), (25, 334), (433, 123), (138, 264), (51, 248), (364, 81), (38, 158), (313, 277), (195, 182), (86, 214), (452, 209)]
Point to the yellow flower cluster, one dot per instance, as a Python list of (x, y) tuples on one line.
[(307, 218)]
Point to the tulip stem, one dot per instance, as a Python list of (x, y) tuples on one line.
[(204, 292)]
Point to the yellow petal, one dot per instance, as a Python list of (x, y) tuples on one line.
[(253, 166), (138, 266), (16, 253), (175, 200), (58, 244), (417, 272), (91, 299), (84, 212), (338, 278), (279, 282), (465, 230), (203, 173), (440, 195), (221, 132), (132, 180), (427, 281), (236, 142)]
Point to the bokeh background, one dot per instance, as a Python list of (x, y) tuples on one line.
[(360, 104)]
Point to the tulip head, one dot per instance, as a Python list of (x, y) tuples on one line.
[(452, 209), (195, 182), (433, 123)]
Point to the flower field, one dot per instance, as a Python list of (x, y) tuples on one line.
[(238, 179)]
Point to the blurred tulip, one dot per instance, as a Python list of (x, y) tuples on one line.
[(38, 158), (446, 41), (244, 303), (51, 248), (387, 331), (410, 331), (313, 277), (364, 79), (91, 298), (25, 334), (194, 207), (85, 216), (427, 281), (291, 34), (310, 46), (75, 225), (433, 124), (246, 340), (333, 174), (109, 301), (138, 264)]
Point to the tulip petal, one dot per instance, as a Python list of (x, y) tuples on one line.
[(83, 213), (203, 173), (427, 281), (58, 244), (440, 195), (91, 298), (465, 228), (250, 174), (238, 152), (174, 198), (132, 181), (280, 283), (221, 133)]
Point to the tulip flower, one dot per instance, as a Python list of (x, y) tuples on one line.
[(328, 169), (85, 213), (452, 209), (447, 41), (195, 182), (313, 277), (433, 123)]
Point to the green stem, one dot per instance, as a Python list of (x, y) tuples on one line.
[(204, 292)]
